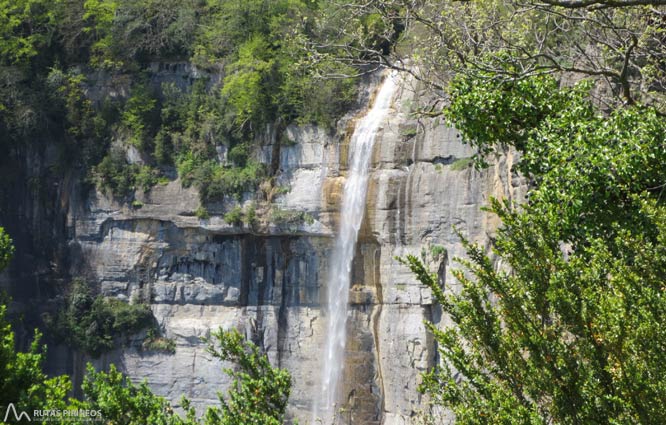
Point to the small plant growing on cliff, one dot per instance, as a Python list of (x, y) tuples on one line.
[(437, 251), (235, 216), (408, 133), (6, 249), (462, 164), (158, 343), (202, 213), (250, 216)]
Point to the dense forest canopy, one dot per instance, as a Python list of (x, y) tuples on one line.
[(252, 70)]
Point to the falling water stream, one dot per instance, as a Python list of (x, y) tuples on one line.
[(351, 216)]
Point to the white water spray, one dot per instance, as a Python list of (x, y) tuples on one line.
[(351, 216)]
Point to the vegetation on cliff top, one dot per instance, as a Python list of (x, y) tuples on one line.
[(253, 70)]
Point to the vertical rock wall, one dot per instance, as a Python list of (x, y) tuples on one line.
[(205, 274)]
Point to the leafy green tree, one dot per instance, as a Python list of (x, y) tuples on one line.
[(122, 402), (619, 44), (571, 328), (258, 396), (26, 26), (260, 392)]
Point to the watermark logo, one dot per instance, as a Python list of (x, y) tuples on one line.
[(17, 416), (51, 415)]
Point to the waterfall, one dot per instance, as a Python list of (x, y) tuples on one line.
[(339, 276)]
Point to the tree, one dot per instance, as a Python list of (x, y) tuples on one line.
[(571, 328), (26, 26), (620, 44), (22, 381), (122, 402)]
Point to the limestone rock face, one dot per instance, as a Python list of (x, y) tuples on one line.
[(204, 274)]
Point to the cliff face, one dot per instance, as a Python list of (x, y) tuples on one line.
[(204, 274)]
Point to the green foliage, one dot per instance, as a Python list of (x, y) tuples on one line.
[(123, 402), (145, 177), (127, 32), (202, 213), (6, 249), (247, 88), (288, 217), (260, 392), (257, 46), (250, 216), (214, 182), (113, 173), (95, 324), (139, 117), (100, 14), (408, 133), (461, 164), (267, 79), (235, 216), (22, 381), (489, 113), (156, 342), (437, 251), (86, 131), (238, 215), (26, 26), (573, 333)]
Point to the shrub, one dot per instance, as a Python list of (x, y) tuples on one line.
[(280, 216), (462, 164), (115, 175), (159, 343), (250, 216), (202, 213), (94, 324), (235, 216), (215, 182), (438, 251)]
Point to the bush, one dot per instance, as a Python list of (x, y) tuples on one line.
[(235, 216), (438, 251), (6, 249), (215, 182), (259, 393), (119, 178), (250, 216), (202, 213), (280, 216), (114, 174), (156, 342), (145, 177), (94, 324)]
